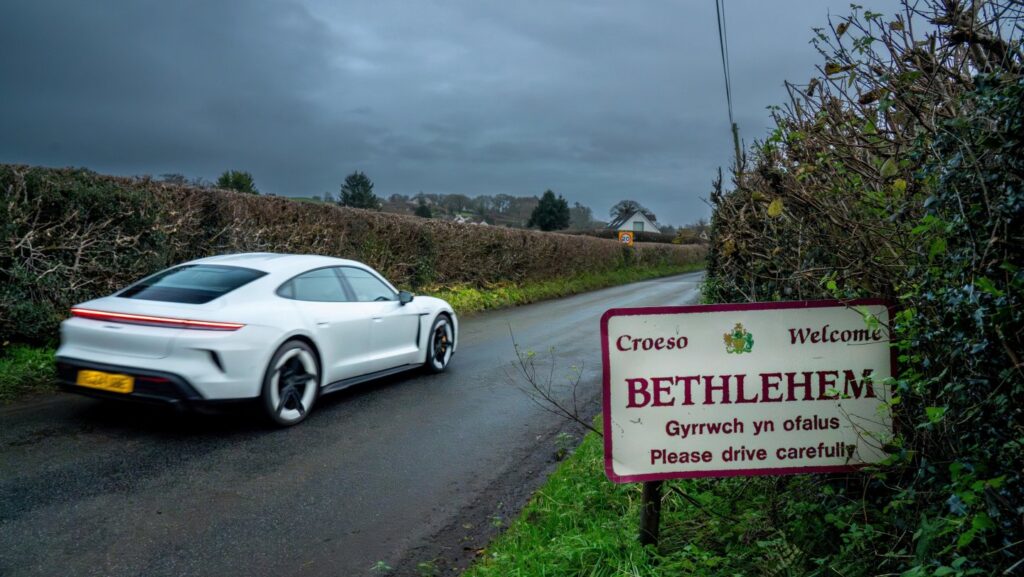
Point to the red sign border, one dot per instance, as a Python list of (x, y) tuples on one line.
[(683, 309)]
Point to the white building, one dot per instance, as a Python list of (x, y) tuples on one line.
[(636, 222)]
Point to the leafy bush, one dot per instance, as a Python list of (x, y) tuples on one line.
[(899, 172)]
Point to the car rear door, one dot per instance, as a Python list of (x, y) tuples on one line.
[(341, 325), (394, 327)]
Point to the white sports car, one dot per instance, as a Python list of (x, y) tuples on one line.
[(279, 328)]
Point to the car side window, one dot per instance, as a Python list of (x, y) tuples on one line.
[(366, 286), (321, 285)]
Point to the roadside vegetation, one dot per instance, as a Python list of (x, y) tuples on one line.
[(468, 299), (897, 171), (579, 523), (25, 370), (69, 235)]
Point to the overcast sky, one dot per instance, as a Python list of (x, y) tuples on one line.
[(597, 100)]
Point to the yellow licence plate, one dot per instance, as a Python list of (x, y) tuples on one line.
[(106, 381)]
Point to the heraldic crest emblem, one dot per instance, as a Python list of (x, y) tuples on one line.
[(738, 341)]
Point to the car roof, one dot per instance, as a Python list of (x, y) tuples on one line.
[(271, 262)]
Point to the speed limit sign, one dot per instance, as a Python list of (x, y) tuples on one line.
[(626, 237)]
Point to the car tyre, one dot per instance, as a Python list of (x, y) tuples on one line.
[(291, 384), (440, 343)]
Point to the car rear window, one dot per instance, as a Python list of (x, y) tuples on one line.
[(320, 285), (191, 284)]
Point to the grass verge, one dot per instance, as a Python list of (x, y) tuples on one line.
[(467, 299), (581, 524), (24, 370), (578, 523)]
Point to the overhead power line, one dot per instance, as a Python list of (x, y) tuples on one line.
[(723, 46)]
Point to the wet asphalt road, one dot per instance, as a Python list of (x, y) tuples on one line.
[(377, 471)]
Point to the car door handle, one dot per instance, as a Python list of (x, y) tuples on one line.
[(322, 323), (377, 319)]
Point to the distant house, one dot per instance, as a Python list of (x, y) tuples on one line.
[(636, 222), (464, 219)]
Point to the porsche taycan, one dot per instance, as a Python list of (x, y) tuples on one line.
[(274, 328)]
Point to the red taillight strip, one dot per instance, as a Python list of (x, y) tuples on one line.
[(163, 321)]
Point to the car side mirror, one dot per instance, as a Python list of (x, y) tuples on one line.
[(405, 297)]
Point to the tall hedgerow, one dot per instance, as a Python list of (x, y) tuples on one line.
[(69, 235), (898, 171)]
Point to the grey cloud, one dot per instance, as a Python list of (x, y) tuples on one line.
[(599, 100)]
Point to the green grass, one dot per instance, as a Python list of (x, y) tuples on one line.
[(581, 524), (467, 299), (578, 523), (24, 370)]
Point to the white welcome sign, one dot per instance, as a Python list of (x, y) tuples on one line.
[(748, 389)]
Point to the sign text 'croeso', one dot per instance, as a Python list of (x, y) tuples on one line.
[(748, 389)]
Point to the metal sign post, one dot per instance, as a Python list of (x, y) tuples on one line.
[(650, 513)]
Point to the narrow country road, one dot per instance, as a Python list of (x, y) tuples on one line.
[(412, 469)]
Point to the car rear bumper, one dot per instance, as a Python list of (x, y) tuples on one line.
[(153, 387), (218, 365)]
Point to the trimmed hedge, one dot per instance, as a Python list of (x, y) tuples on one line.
[(67, 235)]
